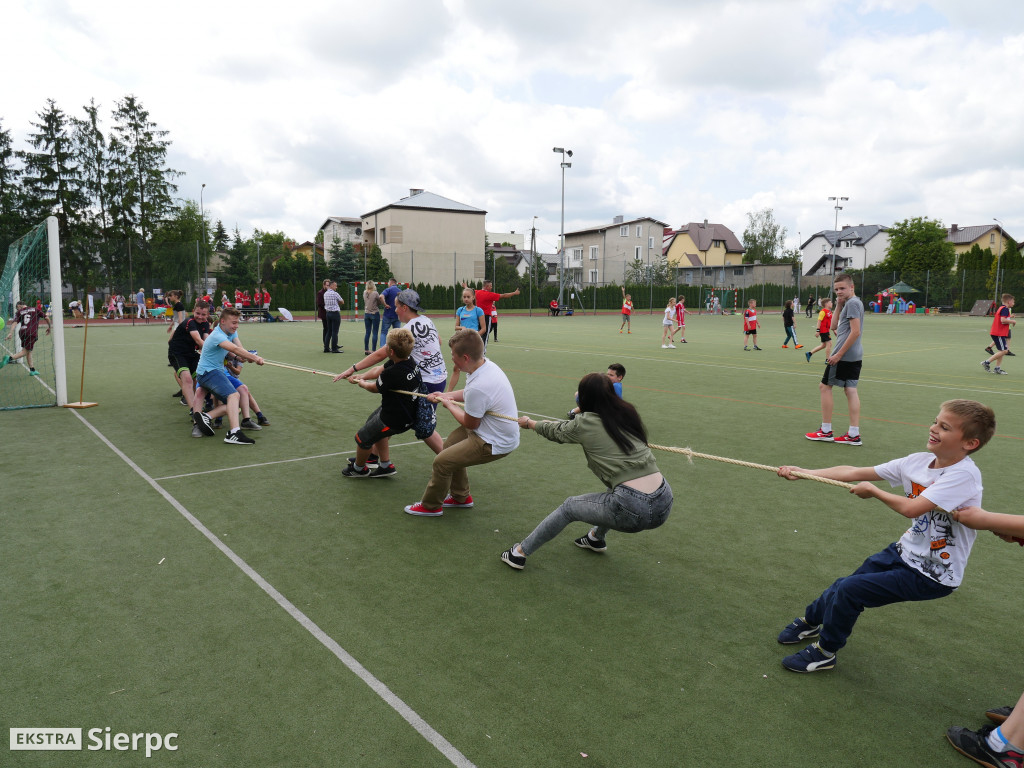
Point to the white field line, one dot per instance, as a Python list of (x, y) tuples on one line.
[(435, 739)]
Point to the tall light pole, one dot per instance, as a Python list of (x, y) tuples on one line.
[(561, 244), (202, 215), (998, 257), (838, 208)]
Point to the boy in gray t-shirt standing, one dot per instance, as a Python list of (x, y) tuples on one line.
[(843, 365)]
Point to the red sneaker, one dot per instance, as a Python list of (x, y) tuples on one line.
[(825, 437), (451, 503), (421, 511), (848, 440)]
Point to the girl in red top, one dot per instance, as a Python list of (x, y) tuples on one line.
[(627, 310), (681, 313), (750, 324)]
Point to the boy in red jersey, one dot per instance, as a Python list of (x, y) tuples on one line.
[(1000, 333), (681, 313), (824, 330), (27, 318), (627, 311), (750, 325)]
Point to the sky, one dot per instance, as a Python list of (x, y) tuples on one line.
[(678, 110)]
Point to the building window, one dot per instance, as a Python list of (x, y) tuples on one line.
[(718, 243), (636, 253), (650, 242), (992, 238), (593, 252), (824, 248), (384, 235), (737, 270), (593, 276), (577, 253), (639, 231), (847, 243), (624, 231)]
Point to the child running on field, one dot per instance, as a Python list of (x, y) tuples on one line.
[(790, 325), (929, 559), (627, 311), (396, 412), (750, 325), (27, 320), (1000, 334), (824, 330)]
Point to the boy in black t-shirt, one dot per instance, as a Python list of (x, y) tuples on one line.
[(183, 349), (396, 412)]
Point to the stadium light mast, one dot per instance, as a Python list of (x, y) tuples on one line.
[(561, 243), (202, 215), (838, 208)]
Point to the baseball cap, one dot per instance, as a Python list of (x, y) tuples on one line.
[(410, 298)]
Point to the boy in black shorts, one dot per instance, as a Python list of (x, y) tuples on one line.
[(183, 349), (396, 412)]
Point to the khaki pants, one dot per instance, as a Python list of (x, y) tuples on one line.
[(462, 449)]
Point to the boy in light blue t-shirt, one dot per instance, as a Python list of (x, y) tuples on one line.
[(211, 377)]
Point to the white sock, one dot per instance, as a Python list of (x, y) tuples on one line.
[(997, 742), (826, 426), (854, 432)]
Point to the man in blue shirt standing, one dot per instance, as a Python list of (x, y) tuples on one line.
[(389, 319)]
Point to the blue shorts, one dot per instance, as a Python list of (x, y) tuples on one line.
[(235, 382), (218, 383), (999, 342)]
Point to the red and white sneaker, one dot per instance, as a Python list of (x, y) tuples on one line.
[(421, 511), (451, 503), (847, 439), (825, 437)]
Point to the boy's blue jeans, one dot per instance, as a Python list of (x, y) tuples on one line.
[(620, 509), (882, 579)]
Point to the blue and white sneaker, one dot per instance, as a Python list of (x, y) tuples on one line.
[(798, 631), (810, 659)]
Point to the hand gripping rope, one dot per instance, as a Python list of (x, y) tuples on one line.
[(690, 454)]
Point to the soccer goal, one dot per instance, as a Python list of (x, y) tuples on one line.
[(35, 375)]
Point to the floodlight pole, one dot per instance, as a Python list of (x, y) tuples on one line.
[(202, 215), (838, 208), (561, 245), (999, 258)]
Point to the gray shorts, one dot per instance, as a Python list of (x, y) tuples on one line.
[(843, 374)]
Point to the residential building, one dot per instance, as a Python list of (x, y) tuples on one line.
[(704, 254), (345, 229), (516, 239), (427, 238), (984, 236), (831, 251), (599, 255)]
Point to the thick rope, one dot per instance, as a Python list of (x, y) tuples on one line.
[(690, 454), (297, 368)]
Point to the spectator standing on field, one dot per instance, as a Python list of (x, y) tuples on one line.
[(843, 366), (321, 313), (485, 298), (389, 319), (332, 306)]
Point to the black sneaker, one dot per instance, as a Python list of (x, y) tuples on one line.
[(999, 714), (351, 471), (810, 659), (513, 560), (373, 461), (973, 744), (384, 471), (989, 350), (177, 394), (202, 421), (238, 437), (263, 421), (250, 424), (182, 400), (797, 631), (1010, 354), (585, 542)]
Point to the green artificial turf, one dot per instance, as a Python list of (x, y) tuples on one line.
[(118, 612)]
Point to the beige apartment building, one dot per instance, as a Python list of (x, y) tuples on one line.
[(600, 255), (427, 238)]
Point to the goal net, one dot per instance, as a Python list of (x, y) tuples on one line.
[(35, 374)]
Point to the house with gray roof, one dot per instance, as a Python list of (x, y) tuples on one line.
[(831, 251), (598, 255)]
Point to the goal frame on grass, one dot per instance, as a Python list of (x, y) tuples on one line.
[(11, 288)]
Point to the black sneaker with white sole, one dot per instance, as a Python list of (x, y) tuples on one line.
[(383, 471), (238, 437), (585, 542), (202, 421), (513, 560), (352, 471), (250, 424)]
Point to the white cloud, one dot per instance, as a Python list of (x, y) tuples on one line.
[(680, 111)]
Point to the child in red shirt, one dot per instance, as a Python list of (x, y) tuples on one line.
[(750, 324)]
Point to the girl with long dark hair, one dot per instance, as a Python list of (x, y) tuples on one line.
[(614, 440)]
